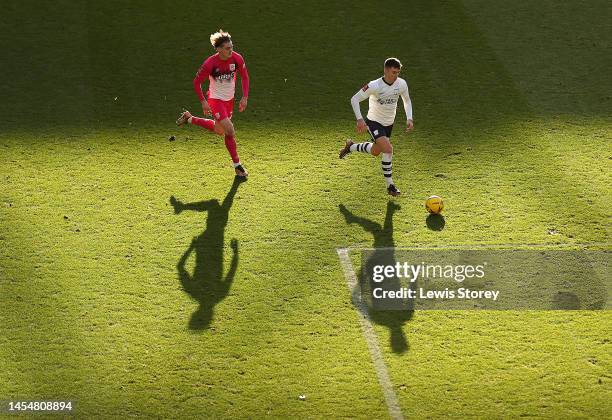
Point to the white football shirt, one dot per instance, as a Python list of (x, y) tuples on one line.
[(383, 100)]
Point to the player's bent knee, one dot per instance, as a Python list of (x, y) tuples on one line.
[(384, 145), (375, 150), (228, 127)]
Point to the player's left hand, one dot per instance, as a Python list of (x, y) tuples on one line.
[(243, 104), (409, 126)]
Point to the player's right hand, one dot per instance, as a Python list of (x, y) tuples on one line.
[(361, 126), (206, 107)]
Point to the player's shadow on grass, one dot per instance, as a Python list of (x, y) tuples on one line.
[(206, 285), (384, 253)]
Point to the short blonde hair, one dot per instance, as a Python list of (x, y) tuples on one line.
[(219, 38)]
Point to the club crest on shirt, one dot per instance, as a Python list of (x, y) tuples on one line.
[(232, 67)]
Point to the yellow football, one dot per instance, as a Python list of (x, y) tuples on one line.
[(434, 204)]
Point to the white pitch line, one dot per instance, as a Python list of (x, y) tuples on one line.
[(370, 335)]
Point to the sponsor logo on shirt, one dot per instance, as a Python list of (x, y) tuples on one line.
[(223, 77), (389, 101)]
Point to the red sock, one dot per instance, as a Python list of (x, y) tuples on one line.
[(230, 143), (203, 122)]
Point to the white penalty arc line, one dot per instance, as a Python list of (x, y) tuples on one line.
[(370, 335)]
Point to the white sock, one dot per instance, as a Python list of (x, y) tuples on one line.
[(361, 147), (189, 120), (387, 159)]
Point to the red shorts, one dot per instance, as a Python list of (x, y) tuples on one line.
[(221, 109)]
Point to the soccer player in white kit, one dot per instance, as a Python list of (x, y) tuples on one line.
[(384, 94)]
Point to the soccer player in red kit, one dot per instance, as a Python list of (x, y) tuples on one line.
[(220, 69)]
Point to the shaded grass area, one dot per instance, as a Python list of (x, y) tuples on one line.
[(91, 295), (554, 54)]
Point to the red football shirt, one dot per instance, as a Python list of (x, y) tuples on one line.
[(222, 77)]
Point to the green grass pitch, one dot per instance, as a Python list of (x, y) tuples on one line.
[(238, 304)]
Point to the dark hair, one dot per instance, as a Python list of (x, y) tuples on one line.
[(219, 38), (393, 62)]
